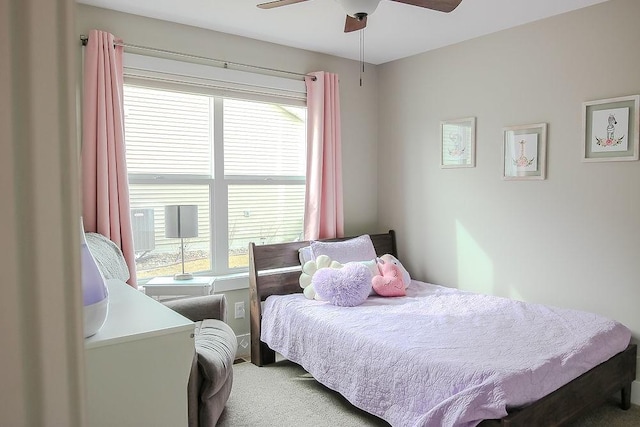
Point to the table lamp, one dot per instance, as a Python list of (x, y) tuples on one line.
[(181, 221)]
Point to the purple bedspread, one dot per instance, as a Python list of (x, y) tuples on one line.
[(439, 356)]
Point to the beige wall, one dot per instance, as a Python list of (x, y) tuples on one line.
[(572, 240), (239, 326), (358, 104)]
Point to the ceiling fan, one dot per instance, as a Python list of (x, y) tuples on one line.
[(358, 10)]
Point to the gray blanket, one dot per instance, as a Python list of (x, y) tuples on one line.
[(108, 256)]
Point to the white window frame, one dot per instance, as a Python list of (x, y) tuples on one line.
[(165, 74)]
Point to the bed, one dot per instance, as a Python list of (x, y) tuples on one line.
[(582, 383)]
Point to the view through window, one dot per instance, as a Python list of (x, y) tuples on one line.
[(242, 162)]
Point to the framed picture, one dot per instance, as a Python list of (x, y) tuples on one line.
[(524, 152), (610, 129), (458, 143)]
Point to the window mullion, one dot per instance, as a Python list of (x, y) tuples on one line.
[(267, 181), (168, 180), (220, 240)]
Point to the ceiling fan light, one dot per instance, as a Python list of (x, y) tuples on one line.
[(354, 8)]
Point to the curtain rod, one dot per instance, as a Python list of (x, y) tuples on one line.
[(85, 39)]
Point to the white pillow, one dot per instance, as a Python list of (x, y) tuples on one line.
[(372, 265), (356, 249), (373, 268), (305, 255)]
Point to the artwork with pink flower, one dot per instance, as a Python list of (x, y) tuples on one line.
[(521, 153), (609, 130), (524, 148)]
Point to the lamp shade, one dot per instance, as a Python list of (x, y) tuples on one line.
[(180, 221)]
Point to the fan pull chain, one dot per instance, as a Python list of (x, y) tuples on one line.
[(361, 55)]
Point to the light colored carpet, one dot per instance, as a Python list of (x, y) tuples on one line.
[(285, 395)]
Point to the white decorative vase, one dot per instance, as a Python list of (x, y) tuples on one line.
[(95, 294)]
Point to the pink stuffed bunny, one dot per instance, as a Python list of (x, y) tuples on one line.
[(389, 283)]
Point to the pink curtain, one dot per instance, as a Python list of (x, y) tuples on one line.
[(323, 216), (105, 186)]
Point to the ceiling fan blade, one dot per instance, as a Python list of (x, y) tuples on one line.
[(278, 3), (439, 5), (353, 24)]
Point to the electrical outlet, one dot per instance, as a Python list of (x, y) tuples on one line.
[(240, 310)]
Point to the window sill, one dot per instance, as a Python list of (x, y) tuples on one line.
[(231, 282), (223, 283), (227, 282)]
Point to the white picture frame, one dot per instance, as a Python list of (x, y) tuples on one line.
[(458, 143), (610, 129), (524, 152)]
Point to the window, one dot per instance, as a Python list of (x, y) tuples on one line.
[(241, 161)]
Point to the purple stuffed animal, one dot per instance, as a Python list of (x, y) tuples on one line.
[(347, 287)]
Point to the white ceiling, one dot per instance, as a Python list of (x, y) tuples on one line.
[(394, 30)]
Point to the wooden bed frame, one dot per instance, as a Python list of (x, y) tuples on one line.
[(275, 269)]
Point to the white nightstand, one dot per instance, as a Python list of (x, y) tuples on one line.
[(138, 364), (168, 286)]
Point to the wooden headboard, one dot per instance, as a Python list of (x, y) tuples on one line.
[(275, 270)]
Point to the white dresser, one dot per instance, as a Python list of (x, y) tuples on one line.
[(138, 364)]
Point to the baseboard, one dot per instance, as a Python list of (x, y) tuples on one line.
[(635, 392), (244, 345)]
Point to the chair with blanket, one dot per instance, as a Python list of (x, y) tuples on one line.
[(215, 342)]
